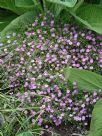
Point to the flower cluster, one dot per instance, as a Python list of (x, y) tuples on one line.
[(36, 68), (61, 105)]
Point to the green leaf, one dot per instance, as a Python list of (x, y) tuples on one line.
[(1, 134), (27, 4), (36, 2), (91, 16), (2, 121), (80, 20), (24, 3), (79, 3), (5, 18), (66, 3), (36, 130), (20, 22), (10, 5), (96, 122), (100, 1), (85, 79), (54, 8), (25, 134)]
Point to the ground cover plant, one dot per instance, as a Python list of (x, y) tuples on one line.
[(32, 73), (20, 13), (50, 67)]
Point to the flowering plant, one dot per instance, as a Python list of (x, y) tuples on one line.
[(20, 13), (34, 70)]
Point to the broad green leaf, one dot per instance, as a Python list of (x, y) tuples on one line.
[(28, 4), (25, 134), (24, 3), (66, 3), (91, 16), (20, 22), (79, 3), (85, 79), (10, 5), (80, 20), (96, 122), (5, 18)]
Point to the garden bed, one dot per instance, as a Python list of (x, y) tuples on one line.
[(33, 73)]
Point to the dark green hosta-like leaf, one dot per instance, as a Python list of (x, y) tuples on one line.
[(5, 18), (28, 4), (24, 3), (12, 5), (96, 122), (91, 16), (85, 79), (20, 22), (8, 4), (66, 3)]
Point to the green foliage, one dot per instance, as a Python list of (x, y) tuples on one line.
[(93, 1), (25, 134), (13, 121), (19, 7), (100, 2), (27, 4), (54, 8), (10, 5), (24, 3), (92, 14), (20, 22), (96, 122), (66, 3), (1, 120), (85, 79), (5, 18), (87, 14)]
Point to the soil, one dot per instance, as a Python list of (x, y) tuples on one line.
[(68, 130)]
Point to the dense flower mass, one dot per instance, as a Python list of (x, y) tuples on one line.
[(34, 70), (61, 105)]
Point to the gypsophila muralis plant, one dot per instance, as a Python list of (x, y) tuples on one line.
[(34, 71)]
